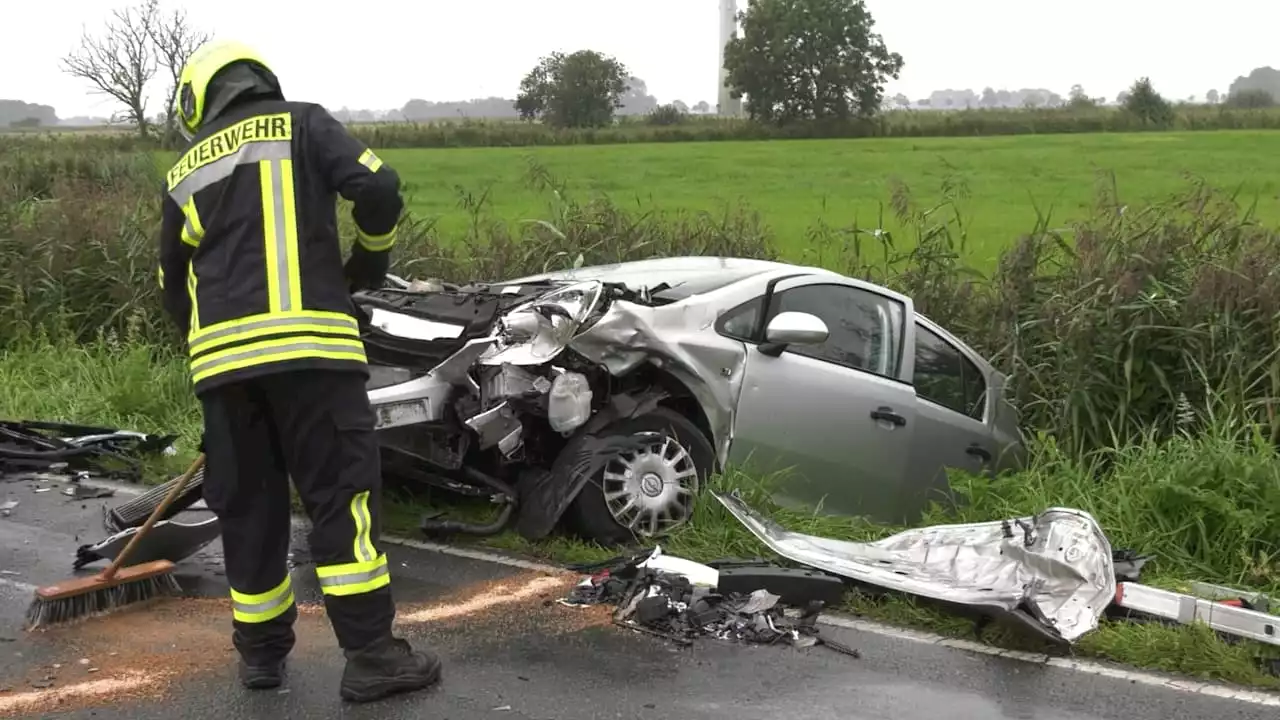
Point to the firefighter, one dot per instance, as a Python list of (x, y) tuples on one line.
[(252, 273)]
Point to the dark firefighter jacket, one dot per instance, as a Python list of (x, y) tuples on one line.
[(251, 263)]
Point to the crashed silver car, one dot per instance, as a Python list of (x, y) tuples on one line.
[(605, 396)]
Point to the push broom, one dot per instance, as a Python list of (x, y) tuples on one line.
[(116, 586)]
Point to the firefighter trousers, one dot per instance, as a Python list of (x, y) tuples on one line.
[(316, 427)]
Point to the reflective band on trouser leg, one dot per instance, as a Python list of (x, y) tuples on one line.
[(280, 230), (354, 578), (376, 243), (362, 548), (369, 572), (262, 607), (371, 161), (310, 322)]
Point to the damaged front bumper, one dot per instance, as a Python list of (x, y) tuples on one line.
[(1052, 572)]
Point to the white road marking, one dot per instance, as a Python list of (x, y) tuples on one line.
[(1087, 667)]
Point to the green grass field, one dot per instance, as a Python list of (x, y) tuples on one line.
[(793, 184)]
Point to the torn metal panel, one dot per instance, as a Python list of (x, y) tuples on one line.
[(674, 338), (166, 540), (1054, 568), (497, 426)]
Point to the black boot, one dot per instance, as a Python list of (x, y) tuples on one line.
[(387, 667), (261, 677)]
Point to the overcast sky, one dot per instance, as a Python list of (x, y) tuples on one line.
[(376, 54)]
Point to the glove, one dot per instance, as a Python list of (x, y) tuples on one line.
[(365, 270)]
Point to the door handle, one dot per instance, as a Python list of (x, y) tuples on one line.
[(979, 452), (888, 415)]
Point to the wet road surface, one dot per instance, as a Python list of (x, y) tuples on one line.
[(510, 651)]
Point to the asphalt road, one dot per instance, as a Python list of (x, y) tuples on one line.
[(510, 652)]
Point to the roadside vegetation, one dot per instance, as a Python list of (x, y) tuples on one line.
[(1143, 346)]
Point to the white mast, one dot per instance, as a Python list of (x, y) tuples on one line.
[(726, 105)]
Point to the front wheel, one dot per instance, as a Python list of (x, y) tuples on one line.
[(649, 493)]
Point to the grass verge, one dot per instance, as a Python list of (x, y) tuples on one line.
[(1180, 499)]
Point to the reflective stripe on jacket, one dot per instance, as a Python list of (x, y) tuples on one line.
[(250, 222)]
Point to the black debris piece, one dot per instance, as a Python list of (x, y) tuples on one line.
[(29, 446), (135, 511), (1128, 564), (671, 607), (794, 586)]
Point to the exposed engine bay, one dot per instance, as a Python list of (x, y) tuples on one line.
[(478, 391)]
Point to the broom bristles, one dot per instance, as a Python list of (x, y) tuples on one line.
[(45, 612)]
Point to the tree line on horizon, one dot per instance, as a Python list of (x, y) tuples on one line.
[(835, 69)]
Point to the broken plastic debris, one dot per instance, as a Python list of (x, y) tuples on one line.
[(697, 573), (758, 602), (87, 492), (569, 402)]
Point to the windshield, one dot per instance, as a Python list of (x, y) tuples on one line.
[(694, 283)]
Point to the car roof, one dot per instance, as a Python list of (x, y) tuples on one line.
[(687, 275)]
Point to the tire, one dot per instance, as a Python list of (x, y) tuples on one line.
[(590, 513)]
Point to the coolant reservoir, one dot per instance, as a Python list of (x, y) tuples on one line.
[(568, 402)]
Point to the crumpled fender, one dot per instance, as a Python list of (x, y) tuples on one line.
[(545, 495), (1053, 571)]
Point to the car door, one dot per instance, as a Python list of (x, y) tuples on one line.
[(838, 415), (951, 415)]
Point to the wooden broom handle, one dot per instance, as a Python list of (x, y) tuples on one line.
[(168, 500)]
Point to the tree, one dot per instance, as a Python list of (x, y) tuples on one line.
[(1147, 104), (122, 60), (582, 89), (702, 107), (670, 114), (119, 63), (15, 111), (1079, 99), (1250, 99), (1212, 97), (1266, 79), (636, 99), (901, 101), (808, 59), (174, 40)]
